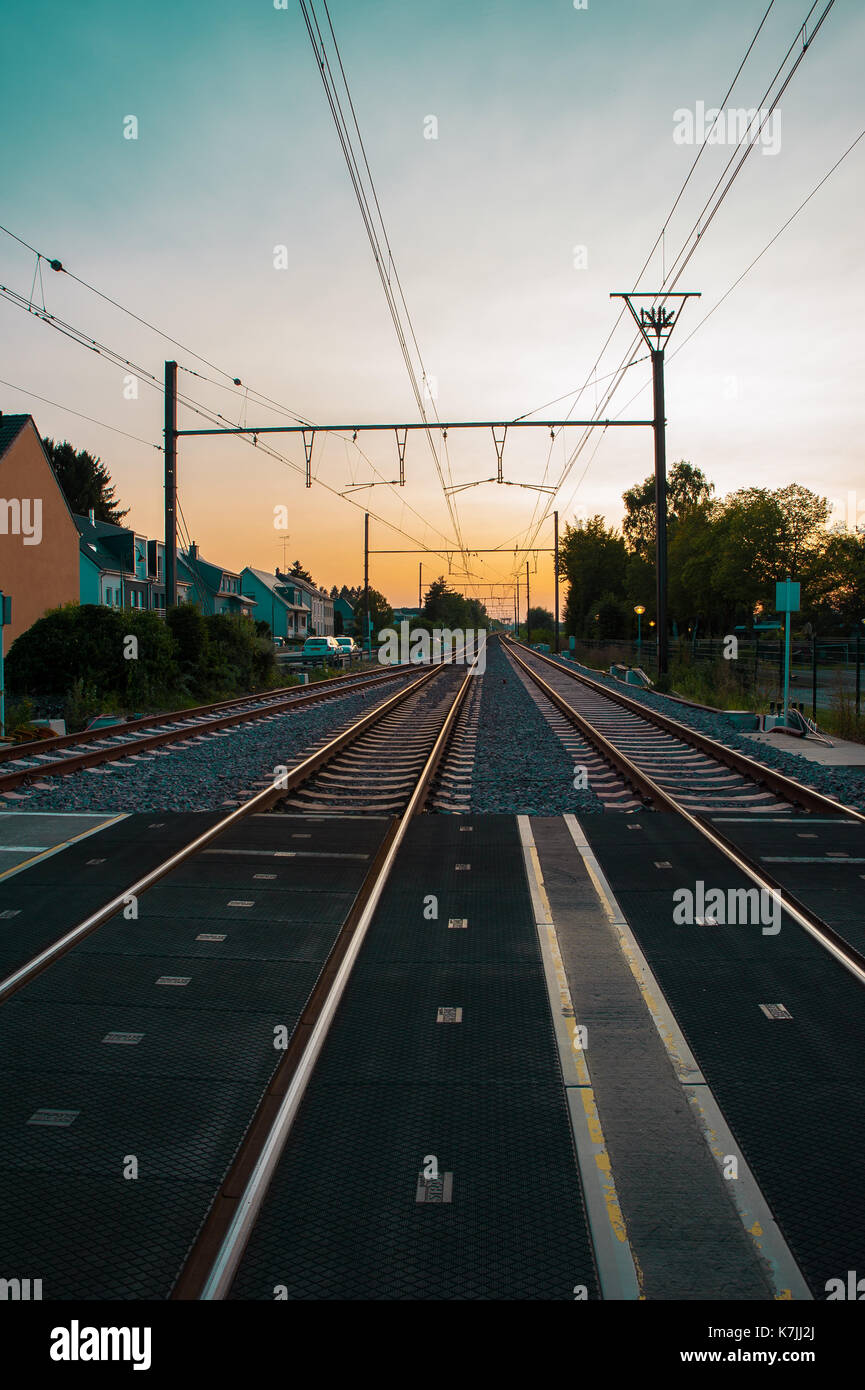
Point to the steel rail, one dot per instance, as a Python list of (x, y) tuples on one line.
[(77, 761), (831, 940), (262, 801), (779, 782), (230, 1252), (36, 747)]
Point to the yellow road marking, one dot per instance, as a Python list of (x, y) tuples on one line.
[(64, 844)]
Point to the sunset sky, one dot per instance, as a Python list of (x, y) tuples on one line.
[(555, 131)]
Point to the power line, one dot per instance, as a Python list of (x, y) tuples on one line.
[(117, 359), (699, 228), (749, 268), (60, 267), (69, 411), (344, 136)]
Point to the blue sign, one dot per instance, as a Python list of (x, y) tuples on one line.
[(5, 610), (787, 596)]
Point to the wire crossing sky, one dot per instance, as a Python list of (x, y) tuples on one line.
[(184, 162)]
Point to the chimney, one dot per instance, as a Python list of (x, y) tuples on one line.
[(193, 550)]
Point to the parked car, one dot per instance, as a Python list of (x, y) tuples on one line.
[(326, 648), (348, 645)]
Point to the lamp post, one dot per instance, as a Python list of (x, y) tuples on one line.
[(639, 609), (655, 325)]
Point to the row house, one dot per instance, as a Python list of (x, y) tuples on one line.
[(317, 601), (276, 603), (38, 535), (122, 569), (214, 588)]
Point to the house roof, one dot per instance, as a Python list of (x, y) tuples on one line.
[(91, 535), (10, 428), (271, 582), (201, 571), (294, 579)]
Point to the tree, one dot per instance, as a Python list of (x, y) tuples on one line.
[(540, 619), (687, 487), (835, 589), (88, 644), (593, 560), (298, 572), (445, 608), (380, 613), (85, 482)]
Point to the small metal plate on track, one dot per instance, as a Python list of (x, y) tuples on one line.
[(174, 979), (777, 1011), (241, 902), (130, 1039), (462, 866), (456, 923), (54, 1117), (211, 936), (449, 1015)]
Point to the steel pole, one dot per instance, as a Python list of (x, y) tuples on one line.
[(2, 674), (814, 676), (366, 580), (660, 432), (858, 672), (170, 485), (556, 577), (528, 629), (786, 665)]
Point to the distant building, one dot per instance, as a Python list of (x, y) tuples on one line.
[(214, 588), (343, 618), (275, 603), (121, 568), (38, 537), (399, 614), (317, 601)]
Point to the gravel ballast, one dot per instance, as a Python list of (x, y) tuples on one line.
[(845, 784), (204, 775), (521, 767)]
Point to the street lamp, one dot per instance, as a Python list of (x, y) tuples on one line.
[(639, 609)]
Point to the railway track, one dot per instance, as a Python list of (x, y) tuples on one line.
[(306, 857), (670, 767), (30, 764)]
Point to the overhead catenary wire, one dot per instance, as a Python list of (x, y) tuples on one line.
[(770, 243), (67, 409), (117, 359), (698, 230), (385, 266), (660, 239)]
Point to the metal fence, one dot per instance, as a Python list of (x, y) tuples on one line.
[(824, 675)]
